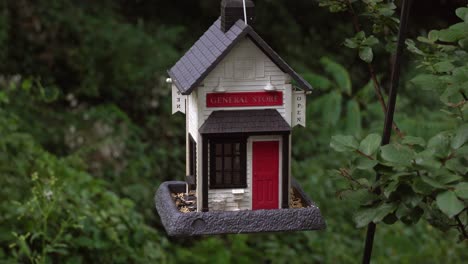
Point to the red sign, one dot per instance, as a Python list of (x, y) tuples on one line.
[(244, 99)]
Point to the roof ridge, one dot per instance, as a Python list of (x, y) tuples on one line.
[(186, 75)]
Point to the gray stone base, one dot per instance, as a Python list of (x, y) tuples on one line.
[(177, 223)]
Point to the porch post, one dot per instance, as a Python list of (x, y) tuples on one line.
[(204, 174), (285, 172)]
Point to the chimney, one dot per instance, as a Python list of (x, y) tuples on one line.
[(233, 10)]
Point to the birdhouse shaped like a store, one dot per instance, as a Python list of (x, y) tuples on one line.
[(241, 100), (240, 108)]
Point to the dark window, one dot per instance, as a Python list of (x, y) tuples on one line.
[(227, 163), (192, 162)]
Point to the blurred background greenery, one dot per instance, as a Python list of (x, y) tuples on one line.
[(87, 135)]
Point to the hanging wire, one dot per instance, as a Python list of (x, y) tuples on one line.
[(245, 12)]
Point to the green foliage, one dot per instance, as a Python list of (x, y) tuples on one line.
[(353, 122), (86, 133), (363, 44), (418, 179), (370, 144), (339, 74), (334, 5), (64, 214), (449, 203)]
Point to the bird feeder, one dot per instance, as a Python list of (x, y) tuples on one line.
[(240, 108)]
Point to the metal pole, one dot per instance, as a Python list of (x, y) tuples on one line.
[(387, 131)]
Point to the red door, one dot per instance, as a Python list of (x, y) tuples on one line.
[(265, 163)]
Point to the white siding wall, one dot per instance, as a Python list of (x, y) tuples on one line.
[(192, 129), (262, 72), (192, 115), (265, 70)]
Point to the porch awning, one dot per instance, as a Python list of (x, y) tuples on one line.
[(244, 121)]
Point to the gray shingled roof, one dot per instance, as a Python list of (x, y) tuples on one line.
[(212, 47), (244, 121)]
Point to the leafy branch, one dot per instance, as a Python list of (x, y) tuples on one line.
[(417, 178), (366, 54), (461, 227)]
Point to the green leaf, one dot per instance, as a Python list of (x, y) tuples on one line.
[(463, 43), (402, 211), (428, 82), (370, 41), (317, 81), (461, 190), (344, 143), (353, 118), (364, 182), (360, 35), (461, 136), (460, 74), (426, 160), (361, 196), (390, 219), (444, 66), (332, 109), (463, 151), (397, 154), (390, 188), (413, 216), (397, 176), (350, 43), (446, 179), (439, 220), (49, 94), (23, 245), (339, 73), (387, 9), (366, 54), (367, 174), (432, 182), (364, 216), (412, 199), (370, 144), (409, 140), (462, 13), (412, 46), (4, 98), (383, 210), (456, 165), (449, 203), (440, 145), (453, 33), (461, 27), (366, 93), (419, 186), (363, 163), (450, 94), (423, 40), (26, 84), (433, 35)]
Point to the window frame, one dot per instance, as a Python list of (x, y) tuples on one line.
[(191, 178), (192, 157), (244, 68), (242, 160)]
